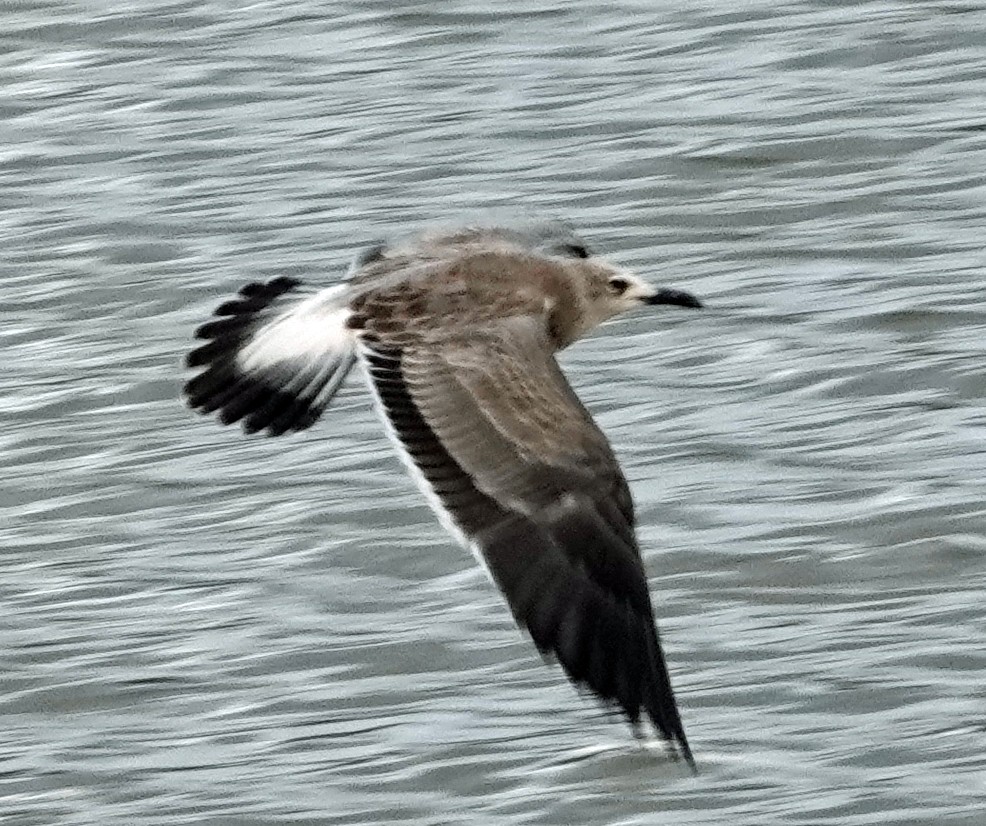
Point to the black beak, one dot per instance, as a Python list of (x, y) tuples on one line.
[(679, 297)]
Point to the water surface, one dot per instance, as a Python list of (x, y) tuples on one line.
[(204, 627)]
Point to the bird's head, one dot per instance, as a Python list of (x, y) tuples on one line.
[(609, 291)]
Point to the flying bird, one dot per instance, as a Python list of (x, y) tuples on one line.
[(456, 331)]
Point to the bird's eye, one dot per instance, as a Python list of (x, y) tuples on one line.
[(576, 250), (618, 286)]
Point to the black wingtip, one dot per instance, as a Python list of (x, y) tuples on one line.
[(685, 751), (257, 400), (675, 743), (676, 740)]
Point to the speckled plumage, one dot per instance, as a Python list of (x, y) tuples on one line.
[(457, 332)]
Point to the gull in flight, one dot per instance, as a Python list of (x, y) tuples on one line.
[(456, 332)]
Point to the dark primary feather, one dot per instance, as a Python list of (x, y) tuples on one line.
[(569, 566), (283, 397)]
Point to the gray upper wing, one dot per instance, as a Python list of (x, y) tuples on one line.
[(527, 476)]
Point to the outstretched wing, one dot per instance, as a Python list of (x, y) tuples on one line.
[(274, 356), (514, 462)]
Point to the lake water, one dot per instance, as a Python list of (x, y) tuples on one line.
[(201, 627)]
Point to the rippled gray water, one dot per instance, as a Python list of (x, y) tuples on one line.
[(203, 627)]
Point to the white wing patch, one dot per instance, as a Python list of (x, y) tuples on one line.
[(311, 330), (273, 358)]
